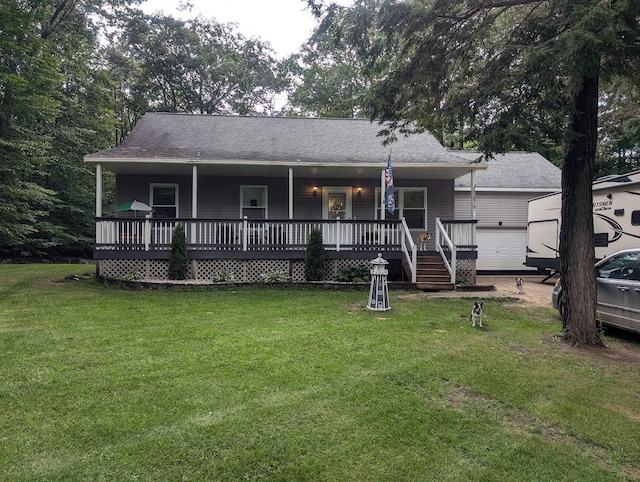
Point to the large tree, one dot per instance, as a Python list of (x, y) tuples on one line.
[(53, 109), (326, 80), (514, 74), (29, 103), (619, 128), (197, 66)]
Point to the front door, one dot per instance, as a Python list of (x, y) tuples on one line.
[(336, 205)]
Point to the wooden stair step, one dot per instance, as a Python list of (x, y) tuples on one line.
[(428, 286), (432, 274)]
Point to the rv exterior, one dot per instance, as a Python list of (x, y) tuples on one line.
[(616, 222)]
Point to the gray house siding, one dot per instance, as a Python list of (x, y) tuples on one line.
[(493, 209), (137, 187), (502, 197), (219, 197), (439, 203)]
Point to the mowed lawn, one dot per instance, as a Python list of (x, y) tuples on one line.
[(100, 383)]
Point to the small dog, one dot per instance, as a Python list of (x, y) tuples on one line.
[(476, 314), (519, 285)]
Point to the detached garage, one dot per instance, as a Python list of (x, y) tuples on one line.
[(503, 192)]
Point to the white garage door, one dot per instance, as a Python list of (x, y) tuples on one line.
[(501, 249)]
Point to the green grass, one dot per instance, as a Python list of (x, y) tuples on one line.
[(98, 383)]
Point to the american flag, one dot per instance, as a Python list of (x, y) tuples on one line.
[(388, 176)]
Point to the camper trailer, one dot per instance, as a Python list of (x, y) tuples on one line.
[(616, 221)]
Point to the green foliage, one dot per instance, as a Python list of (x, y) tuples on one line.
[(106, 384), (133, 276), (329, 80), (619, 127), (29, 105), (55, 106), (179, 259), (314, 258), (63, 95), (224, 276), (354, 274), (196, 66), (275, 277)]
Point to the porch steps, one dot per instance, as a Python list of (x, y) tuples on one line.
[(432, 274)]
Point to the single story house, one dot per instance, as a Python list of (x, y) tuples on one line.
[(503, 192), (249, 190)]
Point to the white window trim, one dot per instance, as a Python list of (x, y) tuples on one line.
[(400, 192), (165, 184), (347, 190), (266, 198)]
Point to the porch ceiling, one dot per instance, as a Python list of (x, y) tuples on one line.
[(300, 169)]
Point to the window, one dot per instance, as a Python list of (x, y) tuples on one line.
[(411, 203), (414, 208), (601, 240), (620, 266), (164, 200), (253, 202), (635, 218)]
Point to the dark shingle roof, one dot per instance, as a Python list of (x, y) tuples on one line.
[(275, 139), (513, 170)]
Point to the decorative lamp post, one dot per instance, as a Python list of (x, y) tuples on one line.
[(379, 292)]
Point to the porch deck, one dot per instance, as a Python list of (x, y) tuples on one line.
[(244, 239)]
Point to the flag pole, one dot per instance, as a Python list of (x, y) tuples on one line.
[(389, 194)]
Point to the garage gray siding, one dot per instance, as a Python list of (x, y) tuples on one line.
[(493, 208)]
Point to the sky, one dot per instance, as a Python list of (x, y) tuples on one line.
[(285, 24)]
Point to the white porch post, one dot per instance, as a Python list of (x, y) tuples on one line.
[(194, 201), (473, 205), (98, 190), (473, 194), (98, 202), (194, 192), (290, 193), (383, 194)]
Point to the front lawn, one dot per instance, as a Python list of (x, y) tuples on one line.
[(98, 383)]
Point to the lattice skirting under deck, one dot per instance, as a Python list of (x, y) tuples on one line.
[(466, 271), (244, 271)]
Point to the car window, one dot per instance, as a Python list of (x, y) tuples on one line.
[(621, 266)]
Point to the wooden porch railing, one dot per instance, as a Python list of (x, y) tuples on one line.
[(246, 235), (409, 250), (452, 237)]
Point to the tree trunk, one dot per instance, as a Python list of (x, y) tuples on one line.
[(577, 257)]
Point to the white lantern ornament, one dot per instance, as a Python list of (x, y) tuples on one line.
[(379, 292)]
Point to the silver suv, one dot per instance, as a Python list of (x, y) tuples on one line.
[(618, 285)]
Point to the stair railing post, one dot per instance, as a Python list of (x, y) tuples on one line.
[(414, 263), (453, 265)]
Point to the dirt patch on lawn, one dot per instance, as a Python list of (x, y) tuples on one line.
[(534, 292), (621, 346)]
